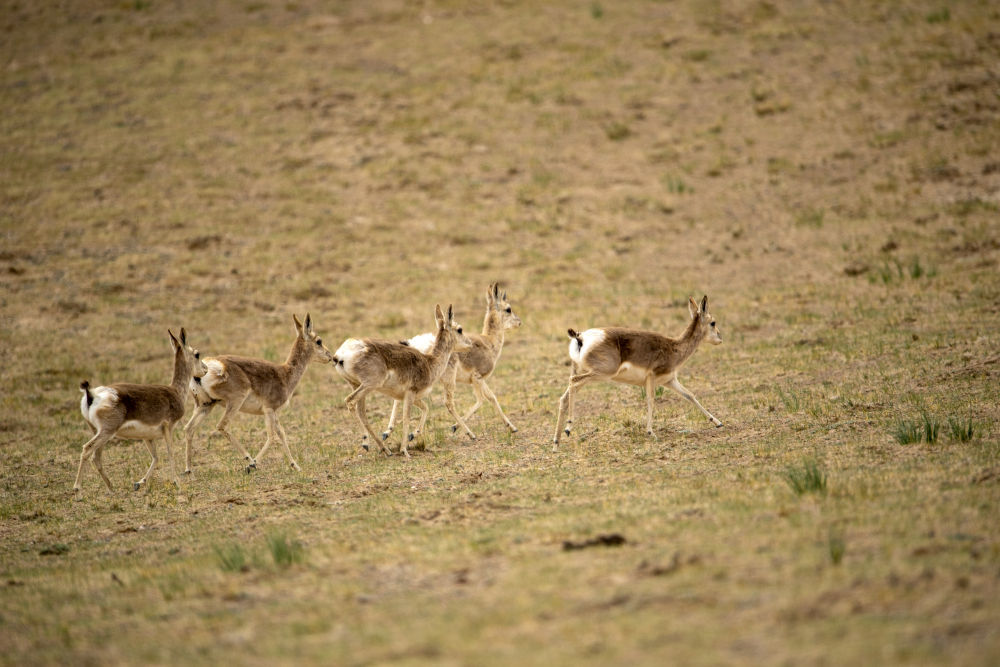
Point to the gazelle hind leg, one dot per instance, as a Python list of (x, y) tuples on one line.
[(89, 447), (679, 388), (575, 382), (359, 412), (98, 464)]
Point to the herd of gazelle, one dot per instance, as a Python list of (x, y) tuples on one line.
[(406, 371)]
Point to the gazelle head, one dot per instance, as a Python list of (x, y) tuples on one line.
[(314, 343), (192, 358), (496, 300), (707, 323), (451, 328)]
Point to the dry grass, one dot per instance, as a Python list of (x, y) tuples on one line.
[(826, 173)]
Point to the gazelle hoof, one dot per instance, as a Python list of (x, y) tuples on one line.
[(513, 429), (250, 468), (566, 431), (410, 437), (136, 486), (385, 435), (188, 472), (364, 446), (295, 466), (454, 428)]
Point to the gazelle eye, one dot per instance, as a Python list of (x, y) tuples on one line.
[(460, 330), (197, 354), (712, 325), (508, 309), (319, 341)]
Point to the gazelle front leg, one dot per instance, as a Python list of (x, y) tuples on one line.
[(231, 408), (650, 386), (449, 403), (676, 386), (151, 446), (279, 433), (197, 416), (424, 411), (392, 421), (407, 403), (492, 398)]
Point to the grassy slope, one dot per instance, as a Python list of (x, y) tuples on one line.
[(827, 174)]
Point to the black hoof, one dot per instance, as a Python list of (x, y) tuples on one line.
[(364, 446), (410, 437), (454, 428), (385, 435), (566, 431), (136, 486)]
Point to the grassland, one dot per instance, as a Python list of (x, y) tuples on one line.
[(828, 173)]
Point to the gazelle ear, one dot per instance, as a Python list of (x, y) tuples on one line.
[(184, 337), (491, 296), (704, 304), (450, 316), (308, 328), (173, 339), (298, 325), (692, 308), (438, 316)]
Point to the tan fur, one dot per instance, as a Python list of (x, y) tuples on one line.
[(399, 371), (476, 364), (138, 412), (253, 386), (633, 356)]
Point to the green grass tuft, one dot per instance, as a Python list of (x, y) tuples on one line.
[(232, 557), (961, 430), (284, 550), (907, 432), (806, 478)]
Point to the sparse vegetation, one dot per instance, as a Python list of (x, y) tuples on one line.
[(828, 178)]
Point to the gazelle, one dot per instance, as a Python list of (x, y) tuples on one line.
[(399, 371), (256, 387), (473, 365), (632, 356), (138, 412)]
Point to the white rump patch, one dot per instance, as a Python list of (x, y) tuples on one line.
[(350, 349), (591, 338), (423, 342), (104, 397)]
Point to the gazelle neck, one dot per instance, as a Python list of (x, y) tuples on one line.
[(493, 326), (690, 339), (298, 359), (182, 371)]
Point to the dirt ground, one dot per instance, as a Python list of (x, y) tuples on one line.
[(828, 173)]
